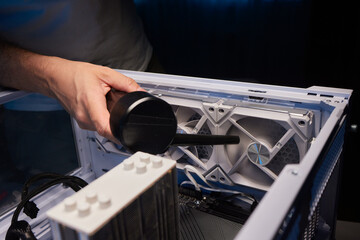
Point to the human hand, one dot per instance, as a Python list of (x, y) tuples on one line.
[(82, 88)]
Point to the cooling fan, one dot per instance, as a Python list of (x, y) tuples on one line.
[(191, 121), (266, 147), (269, 139)]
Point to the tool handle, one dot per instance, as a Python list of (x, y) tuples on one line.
[(199, 139)]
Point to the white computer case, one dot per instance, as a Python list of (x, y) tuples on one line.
[(289, 156)]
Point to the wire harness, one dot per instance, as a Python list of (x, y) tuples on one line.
[(22, 229)]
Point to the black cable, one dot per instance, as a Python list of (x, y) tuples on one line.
[(239, 194), (52, 175), (64, 179), (30, 208), (40, 176), (253, 205), (20, 230)]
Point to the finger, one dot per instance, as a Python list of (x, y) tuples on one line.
[(100, 116), (121, 82)]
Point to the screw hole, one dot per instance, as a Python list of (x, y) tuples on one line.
[(211, 109), (301, 123)]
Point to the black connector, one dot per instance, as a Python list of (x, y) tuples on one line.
[(20, 230), (31, 210)]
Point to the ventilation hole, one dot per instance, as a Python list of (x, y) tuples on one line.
[(326, 95), (301, 123)]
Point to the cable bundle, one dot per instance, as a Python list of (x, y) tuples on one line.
[(21, 229)]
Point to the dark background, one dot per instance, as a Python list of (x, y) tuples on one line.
[(297, 43)]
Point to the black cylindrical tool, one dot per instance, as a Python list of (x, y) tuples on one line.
[(143, 122)]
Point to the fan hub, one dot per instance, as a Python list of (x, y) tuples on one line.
[(258, 153)]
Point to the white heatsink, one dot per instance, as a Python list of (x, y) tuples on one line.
[(135, 200)]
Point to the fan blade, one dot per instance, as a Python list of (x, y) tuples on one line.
[(183, 114)]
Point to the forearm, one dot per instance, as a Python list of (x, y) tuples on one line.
[(25, 70), (80, 87)]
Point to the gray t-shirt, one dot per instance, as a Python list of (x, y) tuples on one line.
[(97, 31), (104, 32)]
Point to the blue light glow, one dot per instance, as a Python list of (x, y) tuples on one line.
[(258, 153)]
